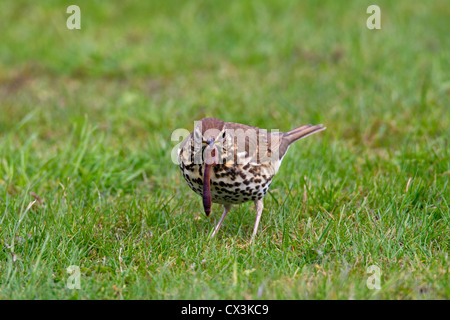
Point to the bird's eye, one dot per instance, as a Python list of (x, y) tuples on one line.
[(223, 135)]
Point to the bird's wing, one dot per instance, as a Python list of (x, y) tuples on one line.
[(248, 144)]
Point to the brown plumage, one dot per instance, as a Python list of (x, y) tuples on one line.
[(238, 161)]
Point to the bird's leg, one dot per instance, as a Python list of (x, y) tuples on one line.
[(226, 209), (259, 209)]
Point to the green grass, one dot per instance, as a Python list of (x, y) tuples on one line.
[(86, 118)]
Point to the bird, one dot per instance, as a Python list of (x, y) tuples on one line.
[(231, 163)]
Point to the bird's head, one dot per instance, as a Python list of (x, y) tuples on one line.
[(209, 137)]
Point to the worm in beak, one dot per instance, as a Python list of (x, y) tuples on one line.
[(211, 159)]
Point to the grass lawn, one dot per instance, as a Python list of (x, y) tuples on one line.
[(86, 177)]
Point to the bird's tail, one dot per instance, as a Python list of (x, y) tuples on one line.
[(301, 132)]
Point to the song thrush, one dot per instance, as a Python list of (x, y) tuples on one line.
[(243, 159)]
